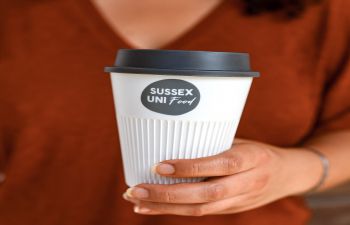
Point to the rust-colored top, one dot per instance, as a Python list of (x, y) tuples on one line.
[(59, 147)]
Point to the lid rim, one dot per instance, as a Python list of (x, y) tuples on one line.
[(182, 62), (183, 72), (182, 51)]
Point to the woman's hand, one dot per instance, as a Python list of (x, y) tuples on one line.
[(248, 175)]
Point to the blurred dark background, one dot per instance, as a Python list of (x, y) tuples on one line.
[(331, 207)]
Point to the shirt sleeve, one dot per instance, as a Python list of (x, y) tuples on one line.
[(334, 110)]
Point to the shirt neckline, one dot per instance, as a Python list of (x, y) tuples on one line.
[(114, 40)]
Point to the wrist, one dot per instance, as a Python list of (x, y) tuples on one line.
[(304, 170)]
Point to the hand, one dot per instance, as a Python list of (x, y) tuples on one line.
[(248, 175)]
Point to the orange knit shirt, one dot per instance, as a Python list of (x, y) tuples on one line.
[(59, 146)]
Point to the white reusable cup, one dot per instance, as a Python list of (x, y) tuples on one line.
[(173, 104)]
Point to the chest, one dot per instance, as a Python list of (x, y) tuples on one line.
[(151, 24)]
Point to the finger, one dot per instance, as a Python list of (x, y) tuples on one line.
[(209, 191), (218, 207), (151, 208), (246, 205), (240, 157), (179, 193), (129, 199), (145, 210)]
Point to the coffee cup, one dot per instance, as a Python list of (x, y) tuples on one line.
[(173, 104)]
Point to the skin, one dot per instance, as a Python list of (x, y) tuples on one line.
[(133, 20), (248, 175)]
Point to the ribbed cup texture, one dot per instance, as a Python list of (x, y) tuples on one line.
[(145, 142)]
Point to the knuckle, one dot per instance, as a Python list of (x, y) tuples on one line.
[(260, 182), (231, 163), (264, 155), (167, 196), (195, 169), (259, 153), (214, 192)]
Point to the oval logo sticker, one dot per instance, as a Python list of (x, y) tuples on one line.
[(170, 96)]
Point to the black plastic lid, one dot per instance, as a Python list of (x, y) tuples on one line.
[(186, 63)]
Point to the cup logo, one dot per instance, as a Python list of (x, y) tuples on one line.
[(170, 97)]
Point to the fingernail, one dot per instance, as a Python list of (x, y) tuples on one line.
[(137, 192), (132, 200), (164, 168), (138, 209), (125, 196)]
